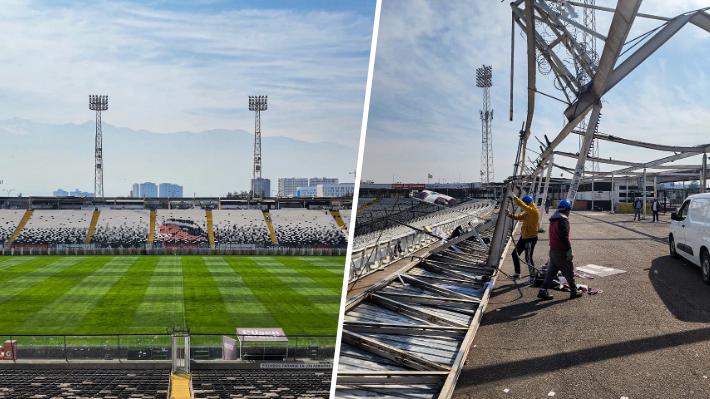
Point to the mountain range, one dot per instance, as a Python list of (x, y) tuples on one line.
[(37, 158)]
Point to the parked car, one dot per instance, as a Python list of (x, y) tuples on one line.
[(690, 232)]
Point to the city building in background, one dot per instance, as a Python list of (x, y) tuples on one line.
[(262, 187), (169, 190), (287, 186), (144, 190), (335, 190), (76, 193), (314, 181), (305, 192)]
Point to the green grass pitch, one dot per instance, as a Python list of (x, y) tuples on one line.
[(149, 294)]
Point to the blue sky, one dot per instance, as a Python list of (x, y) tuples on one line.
[(172, 66), (424, 108)]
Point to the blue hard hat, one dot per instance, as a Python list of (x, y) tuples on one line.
[(564, 204), (527, 199)]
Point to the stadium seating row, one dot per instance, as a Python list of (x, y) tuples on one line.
[(28, 382), (127, 228)]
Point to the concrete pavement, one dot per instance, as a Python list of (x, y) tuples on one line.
[(646, 336)]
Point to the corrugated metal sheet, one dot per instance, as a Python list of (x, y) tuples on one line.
[(407, 336)]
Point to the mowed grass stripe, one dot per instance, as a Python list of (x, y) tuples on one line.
[(294, 311), (68, 311), (319, 274), (323, 298), (332, 264), (41, 288), (21, 269), (16, 282), (162, 305), (14, 261), (242, 307), (204, 308), (114, 312)]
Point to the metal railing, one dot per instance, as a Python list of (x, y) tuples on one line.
[(376, 250), (156, 347), (17, 250)]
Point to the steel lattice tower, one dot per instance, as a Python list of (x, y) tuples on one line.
[(98, 103), (484, 80), (257, 104)]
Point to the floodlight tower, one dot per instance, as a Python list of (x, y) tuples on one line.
[(484, 80), (98, 103), (257, 104)]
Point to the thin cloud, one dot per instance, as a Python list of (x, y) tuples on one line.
[(161, 67)]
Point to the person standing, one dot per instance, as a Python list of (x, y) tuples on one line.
[(638, 204), (560, 252), (547, 206), (528, 234), (655, 207)]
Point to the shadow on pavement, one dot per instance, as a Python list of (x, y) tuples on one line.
[(621, 225), (520, 310), (680, 286), (555, 362)]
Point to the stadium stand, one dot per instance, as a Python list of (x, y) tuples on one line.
[(345, 214), (30, 382), (107, 230), (126, 228), (47, 227), (303, 227), (227, 384), (240, 227), (111, 382), (181, 227), (9, 219)]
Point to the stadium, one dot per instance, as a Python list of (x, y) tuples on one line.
[(107, 296)]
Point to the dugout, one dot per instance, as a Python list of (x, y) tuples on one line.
[(262, 343)]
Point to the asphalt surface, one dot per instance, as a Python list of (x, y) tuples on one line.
[(647, 335)]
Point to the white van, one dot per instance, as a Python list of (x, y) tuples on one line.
[(690, 232)]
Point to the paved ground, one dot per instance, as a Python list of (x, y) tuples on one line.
[(646, 336)]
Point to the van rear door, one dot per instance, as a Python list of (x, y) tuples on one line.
[(696, 232)]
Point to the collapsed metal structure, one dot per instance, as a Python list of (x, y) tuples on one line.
[(409, 334), (553, 39)]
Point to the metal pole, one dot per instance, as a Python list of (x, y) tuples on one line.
[(612, 195), (592, 190), (704, 174), (547, 185), (644, 193), (583, 151)]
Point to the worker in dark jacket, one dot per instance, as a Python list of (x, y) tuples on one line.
[(560, 252)]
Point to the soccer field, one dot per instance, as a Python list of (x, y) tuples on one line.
[(149, 294)]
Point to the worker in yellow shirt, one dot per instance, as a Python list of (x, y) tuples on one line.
[(530, 216)]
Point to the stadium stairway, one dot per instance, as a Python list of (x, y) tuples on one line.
[(92, 226), (338, 219), (210, 227), (369, 204), (272, 232), (20, 226), (151, 232), (180, 386)]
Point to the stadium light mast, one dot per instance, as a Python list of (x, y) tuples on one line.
[(484, 80), (257, 104), (98, 103)]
